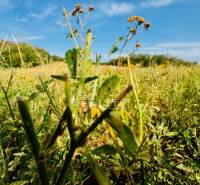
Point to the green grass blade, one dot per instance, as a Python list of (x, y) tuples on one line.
[(30, 132)]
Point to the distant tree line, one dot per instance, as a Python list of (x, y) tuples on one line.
[(149, 60), (32, 56)]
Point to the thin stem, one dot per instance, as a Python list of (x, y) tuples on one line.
[(137, 101), (3, 44), (70, 27), (20, 54), (8, 102)]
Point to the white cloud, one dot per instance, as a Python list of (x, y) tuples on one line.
[(185, 50), (116, 8), (157, 3), (49, 11)]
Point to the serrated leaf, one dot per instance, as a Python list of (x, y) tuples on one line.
[(124, 133), (107, 87), (105, 149), (99, 172)]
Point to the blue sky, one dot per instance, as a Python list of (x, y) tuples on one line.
[(175, 24)]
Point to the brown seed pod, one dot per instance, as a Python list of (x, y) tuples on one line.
[(147, 25), (90, 8), (138, 45)]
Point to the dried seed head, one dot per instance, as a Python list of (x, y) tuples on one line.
[(147, 25), (90, 8), (138, 45), (77, 10)]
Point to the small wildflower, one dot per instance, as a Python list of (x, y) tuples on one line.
[(132, 18), (90, 8), (147, 25), (95, 112), (140, 20), (133, 31), (138, 45)]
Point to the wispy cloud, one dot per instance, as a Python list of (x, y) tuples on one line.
[(157, 3), (116, 8), (25, 37), (49, 11), (6, 4), (185, 50)]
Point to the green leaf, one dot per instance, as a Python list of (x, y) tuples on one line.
[(105, 149), (75, 33), (99, 172), (124, 133), (113, 50), (33, 96), (2, 164), (59, 77), (107, 87), (185, 168), (115, 47), (72, 57), (19, 183), (171, 134), (89, 79)]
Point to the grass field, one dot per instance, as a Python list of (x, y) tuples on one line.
[(169, 99)]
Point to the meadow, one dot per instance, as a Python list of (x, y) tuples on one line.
[(170, 101), (80, 122)]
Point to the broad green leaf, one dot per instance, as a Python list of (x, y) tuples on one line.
[(107, 87), (99, 172), (105, 149), (72, 58), (124, 133)]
